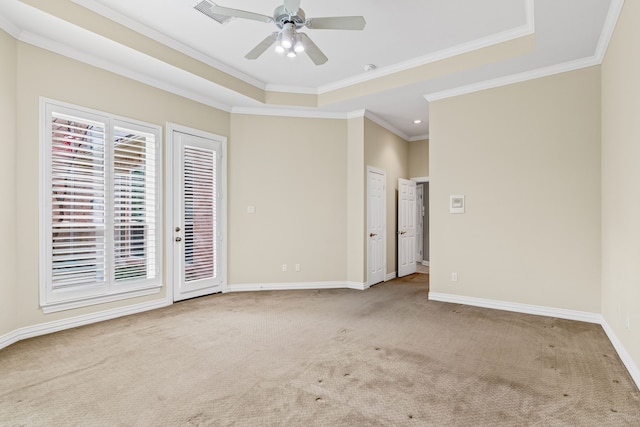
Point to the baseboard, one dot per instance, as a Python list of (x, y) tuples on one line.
[(73, 322), (390, 276), (633, 369), (581, 316), (251, 287), (425, 263)]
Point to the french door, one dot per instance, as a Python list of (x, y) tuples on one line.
[(198, 175)]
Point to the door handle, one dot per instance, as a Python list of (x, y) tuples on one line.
[(372, 234), (178, 239), (402, 232)]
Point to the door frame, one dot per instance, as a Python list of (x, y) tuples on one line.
[(169, 195), (419, 222), (371, 169), (421, 180)]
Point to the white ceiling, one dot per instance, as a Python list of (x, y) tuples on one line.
[(399, 35)]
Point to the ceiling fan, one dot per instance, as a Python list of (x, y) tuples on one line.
[(289, 18)]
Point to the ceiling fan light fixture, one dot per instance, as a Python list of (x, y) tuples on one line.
[(288, 35), (289, 18)]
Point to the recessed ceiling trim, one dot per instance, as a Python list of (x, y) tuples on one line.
[(99, 8), (469, 60), (514, 78), (291, 89), (522, 31), (108, 65), (312, 114), (286, 112)]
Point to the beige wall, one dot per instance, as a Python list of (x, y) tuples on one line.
[(621, 181), (41, 73), (419, 158), (8, 283), (387, 151), (527, 158), (356, 203), (294, 171)]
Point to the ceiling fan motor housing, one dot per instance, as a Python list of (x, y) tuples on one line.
[(281, 17)]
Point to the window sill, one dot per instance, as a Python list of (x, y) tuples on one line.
[(101, 299)]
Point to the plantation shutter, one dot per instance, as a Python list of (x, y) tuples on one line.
[(200, 196), (134, 204), (78, 219), (101, 207)]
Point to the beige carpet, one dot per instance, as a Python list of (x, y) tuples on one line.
[(386, 356)]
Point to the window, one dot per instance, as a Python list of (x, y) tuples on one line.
[(101, 220)]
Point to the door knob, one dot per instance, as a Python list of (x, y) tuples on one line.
[(178, 239), (177, 229), (372, 234)]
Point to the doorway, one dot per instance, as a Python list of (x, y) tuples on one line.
[(422, 186)]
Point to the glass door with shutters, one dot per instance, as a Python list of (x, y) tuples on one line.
[(197, 233)]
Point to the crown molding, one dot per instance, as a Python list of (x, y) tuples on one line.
[(291, 89), (314, 114), (356, 114), (601, 50), (98, 7), (524, 30), (608, 28), (419, 137), (388, 126), (513, 78), (288, 112), (108, 65), (10, 28)]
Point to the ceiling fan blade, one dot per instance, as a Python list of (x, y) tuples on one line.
[(292, 6), (205, 7), (312, 50), (237, 13), (262, 47), (337, 23)]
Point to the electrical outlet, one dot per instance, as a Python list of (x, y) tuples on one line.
[(284, 267), (454, 277)]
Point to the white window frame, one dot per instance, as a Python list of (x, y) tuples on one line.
[(57, 300)]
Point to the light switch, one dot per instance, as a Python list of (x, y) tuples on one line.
[(456, 204), (251, 209)]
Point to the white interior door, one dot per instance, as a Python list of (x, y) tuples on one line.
[(197, 215), (406, 227), (376, 226)]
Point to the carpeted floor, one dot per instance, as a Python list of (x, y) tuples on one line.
[(385, 356)]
